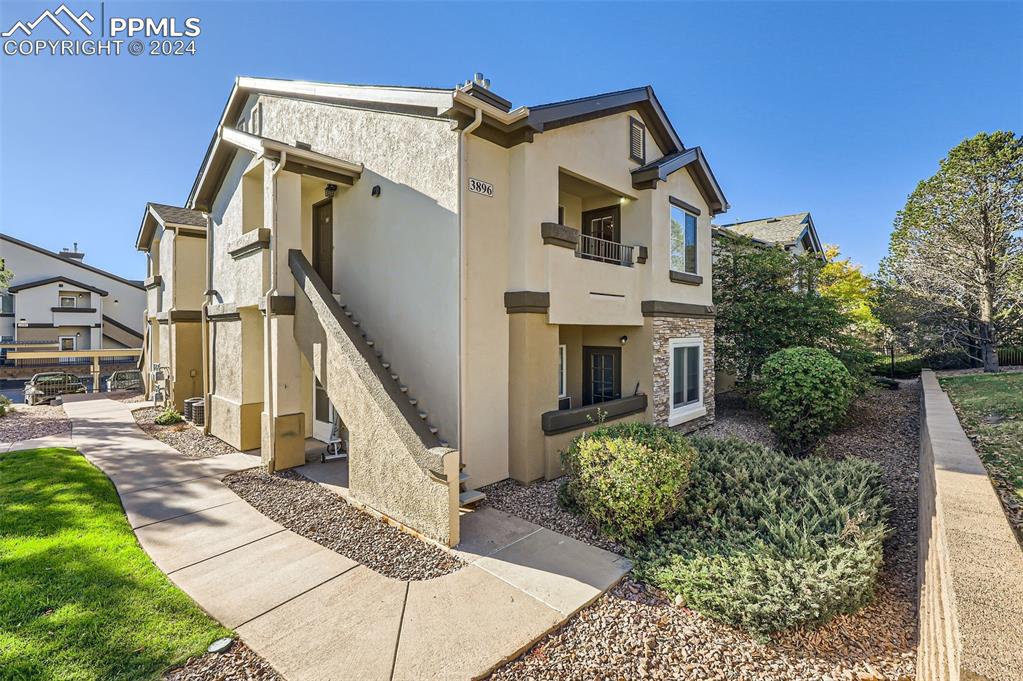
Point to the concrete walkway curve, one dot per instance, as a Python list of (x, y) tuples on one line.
[(314, 614)]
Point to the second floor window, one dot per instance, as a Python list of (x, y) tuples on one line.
[(67, 301), (6, 303), (683, 240)]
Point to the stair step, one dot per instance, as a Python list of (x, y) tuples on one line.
[(403, 388), (462, 476), (470, 496), (423, 415), (370, 343), (394, 377), (434, 429), (348, 313), (443, 443), (387, 365), (355, 323), (413, 401)]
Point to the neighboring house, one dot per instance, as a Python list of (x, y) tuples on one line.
[(466, 285), (794, 232), (174, 241), (57, 301)]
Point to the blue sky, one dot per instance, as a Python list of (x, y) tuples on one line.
[(836, 108)]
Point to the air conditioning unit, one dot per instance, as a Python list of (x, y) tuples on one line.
[(189, 408), (199, 411)]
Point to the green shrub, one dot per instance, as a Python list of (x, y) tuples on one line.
[(805, 393), (764, 542), (627, 477), (168, 416), (5, 402), (906, 366)]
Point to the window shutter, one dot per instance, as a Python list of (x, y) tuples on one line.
[(637, 141)]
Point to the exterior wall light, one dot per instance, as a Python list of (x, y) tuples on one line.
[(329, 191), (375, 191), (623, 340)]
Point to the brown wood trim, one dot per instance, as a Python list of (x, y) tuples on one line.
[(279, 305), (554, 234), (685, 278), (516, 302), (667, 308), (684, 206), (222, 312)]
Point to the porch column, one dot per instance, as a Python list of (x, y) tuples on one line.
[(532, 388), (96, 387), (283, 422)]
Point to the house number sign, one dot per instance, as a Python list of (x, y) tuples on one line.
[(481, 187)]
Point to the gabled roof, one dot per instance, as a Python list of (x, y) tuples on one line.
[(75, 263), (296, 159), (647, 176), (52, 280), (782, 230), (641, 99), (500, 124), (168, 217)]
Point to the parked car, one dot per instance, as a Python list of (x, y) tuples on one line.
[(125, 380), (44, 388)]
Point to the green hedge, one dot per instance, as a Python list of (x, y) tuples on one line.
[(168, 416), (627, 477), (805, 393), (764, 542)]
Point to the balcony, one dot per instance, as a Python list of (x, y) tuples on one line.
[(592, 248)]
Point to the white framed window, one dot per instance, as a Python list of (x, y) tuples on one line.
[(66, 343), (562, 371), (683, 240), (67, 301), (685, 370)]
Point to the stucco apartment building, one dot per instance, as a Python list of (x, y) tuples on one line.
[(57, 301), (468, 285), (174, 241)]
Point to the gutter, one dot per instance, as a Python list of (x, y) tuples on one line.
[(207, 353), (268, 375), (463, 176)]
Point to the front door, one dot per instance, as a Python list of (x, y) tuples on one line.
[(323, 241), (603, 223), (323, 412), (602, 374)]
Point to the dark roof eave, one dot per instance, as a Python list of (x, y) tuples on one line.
[(84, 266), (647, 176), (50, 280)]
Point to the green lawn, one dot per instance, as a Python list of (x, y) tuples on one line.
[(990, 407), (78, 598)]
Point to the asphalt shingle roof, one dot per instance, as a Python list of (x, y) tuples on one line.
[(179, 216), (784, 229)]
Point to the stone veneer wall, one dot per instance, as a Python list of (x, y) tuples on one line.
[(663, 329)]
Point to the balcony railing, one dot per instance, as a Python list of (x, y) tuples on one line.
[(592, 248)]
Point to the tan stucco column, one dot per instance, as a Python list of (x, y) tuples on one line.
[(283, 422), (532, 390)]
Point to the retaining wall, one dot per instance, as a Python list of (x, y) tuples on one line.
[(970, 571)]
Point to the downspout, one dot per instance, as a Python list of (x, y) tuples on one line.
[(267, 326), (207, 351), (462, 180)]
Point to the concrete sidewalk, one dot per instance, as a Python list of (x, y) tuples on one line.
[(314, 614)]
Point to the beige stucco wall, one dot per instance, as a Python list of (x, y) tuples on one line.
[(395, 255), (186, 338), (189, 272), (598, 301)]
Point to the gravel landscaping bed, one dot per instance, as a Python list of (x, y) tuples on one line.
[(634, 631), (131, 397), (184, 437), (307, 508), (239, 663), (23, 422)]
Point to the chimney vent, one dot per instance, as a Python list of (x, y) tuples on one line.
[(479, 87), (72, 254)]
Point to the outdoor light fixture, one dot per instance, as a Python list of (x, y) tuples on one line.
[(375, 191), (623, 340), (330, 190)]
